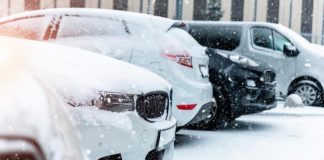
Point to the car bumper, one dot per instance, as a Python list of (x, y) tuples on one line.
[(254, 100), (131, 137), (199, 95), (204, 113)]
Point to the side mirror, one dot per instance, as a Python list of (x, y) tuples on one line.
[(290, 50)]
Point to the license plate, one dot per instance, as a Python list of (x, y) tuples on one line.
[(204, 71), (166, 136)]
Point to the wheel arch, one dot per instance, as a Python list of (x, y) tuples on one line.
[(303, 78)]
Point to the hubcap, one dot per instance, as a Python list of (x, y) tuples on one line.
[(307, 93)]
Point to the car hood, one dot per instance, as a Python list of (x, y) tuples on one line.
[(249, 64), (320, 50), (79, 74)]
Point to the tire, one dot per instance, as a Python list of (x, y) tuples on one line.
[(221, 113), (309, 91)]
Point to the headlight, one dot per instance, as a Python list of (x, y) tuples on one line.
[(114, 102), (243, 60)]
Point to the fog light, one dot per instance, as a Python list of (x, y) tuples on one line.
[(250, 83)]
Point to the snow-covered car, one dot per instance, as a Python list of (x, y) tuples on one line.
[(121, 111), (140, 39), (298, 64), (34, 121)]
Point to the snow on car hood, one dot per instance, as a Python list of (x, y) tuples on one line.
[(79, 74)]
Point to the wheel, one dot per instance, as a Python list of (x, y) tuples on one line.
[(309, 91)]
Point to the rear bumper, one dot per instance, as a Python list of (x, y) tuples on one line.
[(204, 113), (193, 94)]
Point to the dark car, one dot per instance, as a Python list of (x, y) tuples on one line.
[(246, 86), (241, 85)]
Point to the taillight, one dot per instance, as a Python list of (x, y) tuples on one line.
[(186, 106), (183, 58)]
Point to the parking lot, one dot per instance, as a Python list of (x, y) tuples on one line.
[(281, 133)]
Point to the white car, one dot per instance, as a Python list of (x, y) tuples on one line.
[(121, 110), (140, 39), (298, 64), (34, 121)]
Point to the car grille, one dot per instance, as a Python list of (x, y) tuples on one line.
[(152, 105), (269, 76)]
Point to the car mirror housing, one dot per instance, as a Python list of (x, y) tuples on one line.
[(290, 50)]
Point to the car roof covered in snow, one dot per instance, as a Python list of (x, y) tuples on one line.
[(80, 75), (155, 21), (235, 23)]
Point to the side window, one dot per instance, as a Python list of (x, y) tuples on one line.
[(219, 37), (199, 33), (76, 26), (279, 41), (33, 28), (262, 37), (225, 37)]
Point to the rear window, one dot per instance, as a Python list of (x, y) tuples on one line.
[(183, 37), (219, 37), (75, 26)]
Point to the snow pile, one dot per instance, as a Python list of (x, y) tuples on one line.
[(277, 134), (293, 100)]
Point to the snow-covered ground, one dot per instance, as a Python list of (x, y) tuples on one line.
[(278, 134)]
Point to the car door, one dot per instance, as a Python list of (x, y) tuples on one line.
[(102, 35), (267, 46)]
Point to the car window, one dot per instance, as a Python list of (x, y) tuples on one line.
[(262, 37), (279, 41), (217, 36), (33, 28), (75, 26), (183, 37)]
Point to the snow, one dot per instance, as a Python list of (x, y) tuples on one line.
[(149, 20), (281, 133), (78, 74), (95, 117), (31, 109), (294, 100)]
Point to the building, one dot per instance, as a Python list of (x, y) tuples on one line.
[(303, 16)]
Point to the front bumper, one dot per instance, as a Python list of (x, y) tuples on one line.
[(248, 100), (128, 136)]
